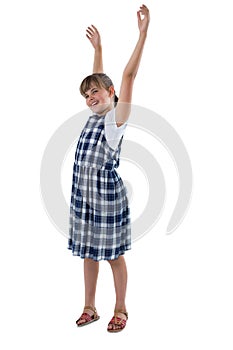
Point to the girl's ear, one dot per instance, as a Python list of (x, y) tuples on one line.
[(111, 91)]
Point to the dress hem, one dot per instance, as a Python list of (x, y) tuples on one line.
[(99, 258)]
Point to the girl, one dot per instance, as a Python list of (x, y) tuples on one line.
[(99, 212)]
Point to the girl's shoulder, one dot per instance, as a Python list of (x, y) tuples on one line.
[(113, 133), (110, 121)]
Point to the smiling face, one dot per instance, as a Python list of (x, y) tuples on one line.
[(98, 99), (98, 90)]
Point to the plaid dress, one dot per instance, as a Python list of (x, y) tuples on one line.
[(99, 225)]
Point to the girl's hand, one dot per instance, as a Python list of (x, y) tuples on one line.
[(93, 35), (143, 22)]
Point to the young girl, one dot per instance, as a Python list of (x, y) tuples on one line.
[(99, 212)]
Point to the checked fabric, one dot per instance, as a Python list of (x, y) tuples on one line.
[(99, 223)]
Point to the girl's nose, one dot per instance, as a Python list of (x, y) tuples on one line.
[(89, 98)]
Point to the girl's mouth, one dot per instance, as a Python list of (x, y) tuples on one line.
[(94, 103)]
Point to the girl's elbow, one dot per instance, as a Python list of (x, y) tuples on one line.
[(129, 75)]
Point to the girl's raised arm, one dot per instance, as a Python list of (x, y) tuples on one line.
[(94, 37), (131, 69)]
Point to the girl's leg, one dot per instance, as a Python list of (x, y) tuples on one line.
[(91, 270), (120, 282)]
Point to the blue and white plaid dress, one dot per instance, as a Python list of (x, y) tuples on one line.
[(99, 214)]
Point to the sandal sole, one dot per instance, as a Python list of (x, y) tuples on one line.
[(115, 330)]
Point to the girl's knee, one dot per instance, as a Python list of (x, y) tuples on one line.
[(116, 261)]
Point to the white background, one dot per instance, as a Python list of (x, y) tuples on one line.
[(180, 286)]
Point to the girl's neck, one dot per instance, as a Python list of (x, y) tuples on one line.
[(103, 113)]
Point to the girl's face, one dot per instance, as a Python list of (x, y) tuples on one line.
[(99, 100)]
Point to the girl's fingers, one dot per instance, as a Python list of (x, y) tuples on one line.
[(94, 28), (89, 33), (144, 9), (90, 30), (143, 18)]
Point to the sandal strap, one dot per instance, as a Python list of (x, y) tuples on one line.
[(91, 308), (121, 312), (118, 321), (85, 316)]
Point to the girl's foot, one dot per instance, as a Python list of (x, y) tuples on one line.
[(118, 322), (88, 316)]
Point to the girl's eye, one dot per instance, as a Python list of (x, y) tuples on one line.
[(93, 92)]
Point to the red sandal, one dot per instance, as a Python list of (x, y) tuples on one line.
[(118, 321), (86, 317)]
